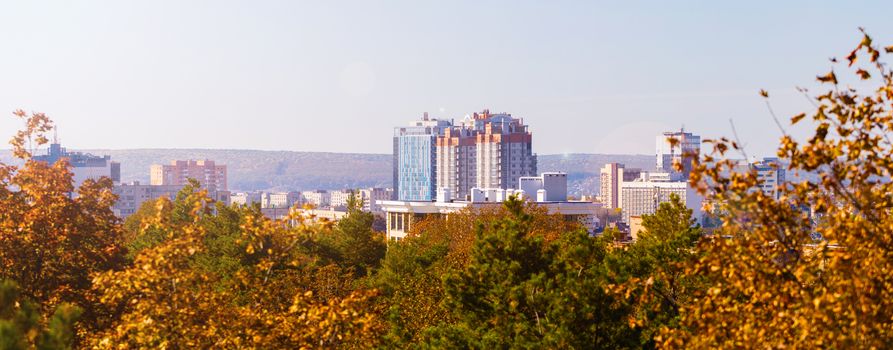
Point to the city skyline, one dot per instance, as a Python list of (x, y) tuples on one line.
[(118, 78)]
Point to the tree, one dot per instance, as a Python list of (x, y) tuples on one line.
[(170, 297), (651, 271), (412, 291), (770, 282), (50, 241), (357, 245), (518, 291), (21, 326)]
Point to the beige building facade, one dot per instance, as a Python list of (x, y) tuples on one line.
[(210, 175)]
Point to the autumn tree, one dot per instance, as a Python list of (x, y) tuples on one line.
[(54, 236), (810, 269), (410, 280), (168, 298)]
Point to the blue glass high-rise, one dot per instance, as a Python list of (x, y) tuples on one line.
[(414, 159)]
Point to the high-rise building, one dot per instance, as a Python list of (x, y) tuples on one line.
[(770, 173), (211, 176), (83, 165), (415, 159), (645, 194), (677, 146), (485, 151), (612, 175)]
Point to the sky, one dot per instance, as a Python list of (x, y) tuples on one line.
[(337, 76)]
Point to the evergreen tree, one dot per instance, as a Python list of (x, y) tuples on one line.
[(519, 292)]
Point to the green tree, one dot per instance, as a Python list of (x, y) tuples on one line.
[(356, 244), (21, 326), (518, 291), (651, 271), (410, 282)]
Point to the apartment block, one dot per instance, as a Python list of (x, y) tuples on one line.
[(644, 195), (282, 199), (485, 151), (317, 198), (210, 175), (370, 196), (131, 196), (340, 198)]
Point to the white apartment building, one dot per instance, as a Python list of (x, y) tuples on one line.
[(339, 199), (282, 199), (367, 197), (247, 198), (645, 194), (770, 173), (317, 198), (371, 196)]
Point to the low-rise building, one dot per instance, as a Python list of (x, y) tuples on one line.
[(132, 196), (401, 215), (339, 198), (644, 195), (247, 198), (282, 199), (84, 166), (371, 196), (317, 198)]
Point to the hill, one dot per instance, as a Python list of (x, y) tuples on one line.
[(286, 170)]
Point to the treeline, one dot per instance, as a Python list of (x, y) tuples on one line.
[(808, 270)]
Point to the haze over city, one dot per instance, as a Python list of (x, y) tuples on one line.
[(588, 77)]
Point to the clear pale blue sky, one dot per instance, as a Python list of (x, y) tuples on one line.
[(587, 76)]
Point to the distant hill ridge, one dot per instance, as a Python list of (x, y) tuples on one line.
[(251, 170)]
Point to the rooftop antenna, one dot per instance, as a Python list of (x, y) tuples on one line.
[(56, 134)]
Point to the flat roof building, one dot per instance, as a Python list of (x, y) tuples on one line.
[(83, 165), (415, 159), (210, 175), (644, 195), (401, 215)]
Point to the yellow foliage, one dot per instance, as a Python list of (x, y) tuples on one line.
[(772, 284)]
